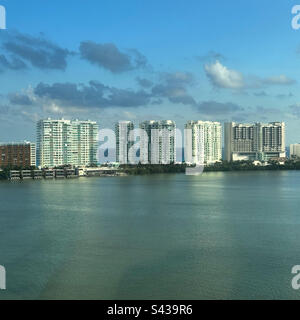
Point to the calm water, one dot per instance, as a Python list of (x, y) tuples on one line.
[(217, 236)]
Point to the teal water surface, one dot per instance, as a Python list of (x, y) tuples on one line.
[(229, 235)]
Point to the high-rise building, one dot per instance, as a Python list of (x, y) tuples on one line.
[(295, 150), (84, 142), (158, 142), (259, 141), (123, 143), (18, 154), (203, 142), (66, 142)]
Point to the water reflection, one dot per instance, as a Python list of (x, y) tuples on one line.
[(218, 235)]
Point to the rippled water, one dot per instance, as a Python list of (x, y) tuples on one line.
[(217, 236)]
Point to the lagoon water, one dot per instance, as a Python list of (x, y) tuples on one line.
[(229, 235)]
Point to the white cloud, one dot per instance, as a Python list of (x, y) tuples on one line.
[(53, 108), (224, 77)]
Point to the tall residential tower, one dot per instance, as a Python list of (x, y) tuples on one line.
[(203, 142), (259, 141), (158, 142), (66, 142), (123, 143)]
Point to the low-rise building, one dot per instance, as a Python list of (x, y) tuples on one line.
[(26, 174), (37, 174), (17, 155), (59, 173), (14, 175), (49, 173), (71, 173)]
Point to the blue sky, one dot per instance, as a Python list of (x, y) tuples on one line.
[(180, 60)]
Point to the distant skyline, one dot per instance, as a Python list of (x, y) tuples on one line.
[(138, 60)]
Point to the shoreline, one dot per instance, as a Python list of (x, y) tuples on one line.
[(140, 170), (140, 175)]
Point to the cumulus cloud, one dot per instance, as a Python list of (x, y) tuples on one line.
[(178, 78), (223, 77), (145, 83), (109, 57), (20, 99), (139, 60), (93, 95), (12, 63), (18, 51), (173, 94), (174, 87)]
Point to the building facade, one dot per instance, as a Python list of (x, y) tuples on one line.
[(123, 129), (203, 142), (158, 142), (18, 154), (259, 141), (66, 142), (84, 142), (295, 150)]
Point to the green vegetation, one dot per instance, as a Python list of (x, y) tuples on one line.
[(249, 166), (142, 169), (145, 169), (4, 175)]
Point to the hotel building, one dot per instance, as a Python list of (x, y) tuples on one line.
[(158, 142), (18, 154), (257, 141), (123, 145), (203, 142), (66, 142)]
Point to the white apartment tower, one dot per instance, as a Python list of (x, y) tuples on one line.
[(259, 141), (123, 143), (66, 142), (158, 142), (203, 142), (32, 153), (295, 150)]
